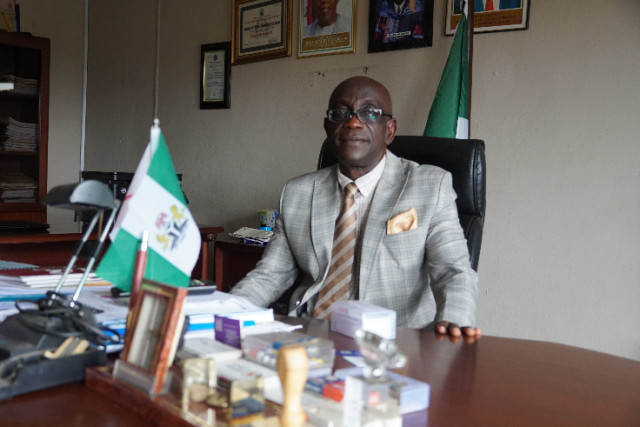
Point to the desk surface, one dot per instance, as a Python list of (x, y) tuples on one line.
[(493, 381)]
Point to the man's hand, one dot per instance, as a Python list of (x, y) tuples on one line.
[(455, 332)]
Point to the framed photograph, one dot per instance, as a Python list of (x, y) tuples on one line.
[(490, 15), (156, 325), (326, 27), (400, 24), (215, 75), (261, 30)]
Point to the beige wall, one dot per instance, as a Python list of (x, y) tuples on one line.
[(557, 106)]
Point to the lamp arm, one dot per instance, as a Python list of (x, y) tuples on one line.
[(94, 255), (75, 255)]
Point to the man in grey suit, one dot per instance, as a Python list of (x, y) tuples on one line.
[(410, 252)]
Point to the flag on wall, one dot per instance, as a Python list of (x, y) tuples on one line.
[(449, 114), (154, 203)]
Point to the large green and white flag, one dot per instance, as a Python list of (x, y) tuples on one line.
[(154, 203), (449, 114)]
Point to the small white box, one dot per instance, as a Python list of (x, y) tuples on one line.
[(413, 395), (348, 316)]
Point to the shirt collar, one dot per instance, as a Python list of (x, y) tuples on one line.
[(367, 182)]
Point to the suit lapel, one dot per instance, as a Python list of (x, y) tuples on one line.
[(326, 196), (387, 193)]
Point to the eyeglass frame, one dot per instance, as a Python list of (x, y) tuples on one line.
[(355, 113)]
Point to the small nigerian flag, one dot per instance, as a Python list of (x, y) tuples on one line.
[(154, 203), (449, 114)]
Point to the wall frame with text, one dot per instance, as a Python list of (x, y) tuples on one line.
[(400, 26), (499, 15), (261, 30), (326, 30), (215, 75)]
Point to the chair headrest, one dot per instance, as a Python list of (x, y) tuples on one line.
[(463, 158)]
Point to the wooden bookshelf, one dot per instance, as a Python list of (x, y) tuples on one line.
[(25, 57)]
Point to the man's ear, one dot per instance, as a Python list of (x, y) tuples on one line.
[(390, 131)]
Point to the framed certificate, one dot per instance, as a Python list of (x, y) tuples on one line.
[(215, 76), (261, 30)]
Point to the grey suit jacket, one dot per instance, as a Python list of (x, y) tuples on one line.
[(423, 274)]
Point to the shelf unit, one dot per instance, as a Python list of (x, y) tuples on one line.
[(23, 56)]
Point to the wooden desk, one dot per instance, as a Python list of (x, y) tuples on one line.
[(233, 260), (54, 247), (491, 382)]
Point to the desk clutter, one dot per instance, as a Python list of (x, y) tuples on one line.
[(271, 373), (221, 357), (225, 364)]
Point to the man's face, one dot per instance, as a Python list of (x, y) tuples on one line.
[(359, 146), (325, 11)]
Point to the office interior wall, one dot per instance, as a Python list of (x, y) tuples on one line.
[(556, 105), (62, 23)]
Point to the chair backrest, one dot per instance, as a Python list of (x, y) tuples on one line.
[(464, 159)]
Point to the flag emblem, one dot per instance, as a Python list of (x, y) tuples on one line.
[(171, 227)]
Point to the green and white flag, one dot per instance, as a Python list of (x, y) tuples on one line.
[(449, 114), (154, 203)]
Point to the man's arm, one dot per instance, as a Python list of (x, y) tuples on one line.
[(453, 281)]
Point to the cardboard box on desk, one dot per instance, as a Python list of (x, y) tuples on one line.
[(348, 316)]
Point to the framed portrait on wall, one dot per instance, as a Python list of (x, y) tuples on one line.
[(261, 30), (326, 27), (400, 24), (490, 15)]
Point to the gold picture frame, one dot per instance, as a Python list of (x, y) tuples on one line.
[(506, 15), (338, 36), (156, 326), (261, 30)]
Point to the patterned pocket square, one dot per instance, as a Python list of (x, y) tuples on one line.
[(403, 222)]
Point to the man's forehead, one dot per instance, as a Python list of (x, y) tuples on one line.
[(361, 94)]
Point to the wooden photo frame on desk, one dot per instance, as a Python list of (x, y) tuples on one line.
[(260, 30), (215, 75), (156, 325)]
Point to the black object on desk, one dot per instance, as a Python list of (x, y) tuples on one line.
[(196, 287), (19, 225)]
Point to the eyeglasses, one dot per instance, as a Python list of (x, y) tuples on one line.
[(365, 115)]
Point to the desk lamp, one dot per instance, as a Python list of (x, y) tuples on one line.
[(56, 317)]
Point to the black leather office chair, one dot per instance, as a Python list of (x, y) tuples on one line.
[(465, 160)]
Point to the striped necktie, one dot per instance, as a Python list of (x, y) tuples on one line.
[(336, 286)]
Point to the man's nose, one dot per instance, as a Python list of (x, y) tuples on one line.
[(354, 122)]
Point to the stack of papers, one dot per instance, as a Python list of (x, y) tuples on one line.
[(253, 235), (18, 136), (17, 187), (45, 277), (22, 85)]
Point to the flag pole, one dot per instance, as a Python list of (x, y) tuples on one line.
[(470, 30)]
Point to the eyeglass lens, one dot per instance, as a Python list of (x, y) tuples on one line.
[(342, 115)]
